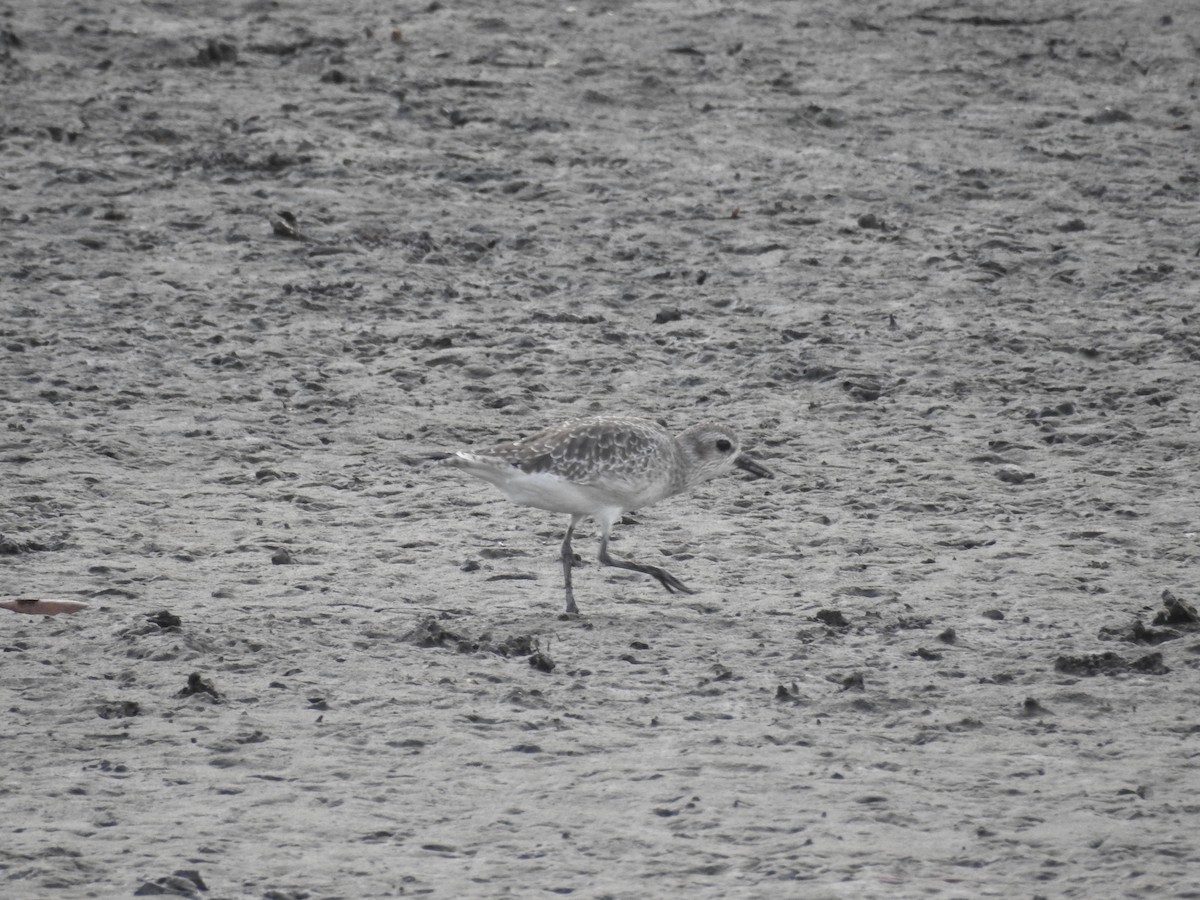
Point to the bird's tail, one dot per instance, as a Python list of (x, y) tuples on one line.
[(490, 469)]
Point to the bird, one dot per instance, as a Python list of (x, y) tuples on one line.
[(601, 467)]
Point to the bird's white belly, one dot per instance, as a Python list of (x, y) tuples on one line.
[(549, 492)]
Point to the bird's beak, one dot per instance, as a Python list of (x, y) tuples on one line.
[(753, 466)]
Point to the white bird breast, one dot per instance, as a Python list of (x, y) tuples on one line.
[(545, 490)]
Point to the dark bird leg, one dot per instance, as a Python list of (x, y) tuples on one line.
[(568, 560), (665, 578)]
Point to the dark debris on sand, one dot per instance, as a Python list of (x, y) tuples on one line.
[(429, 632), (182, 883), (197, 685), (1110, 663), (1174, 612), (1177, 612)]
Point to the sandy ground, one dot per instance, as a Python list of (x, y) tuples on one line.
[(936, 263)]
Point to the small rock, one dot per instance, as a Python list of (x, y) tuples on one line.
[(1073, 225), (832, 617), (430, 633), (1013, 474), (197, 685), (169, 886), (119, 709), (285, 225), (854, 682), (515, 645), (216, 52), (1107, 116), (1031, 708), (1138, 633), (164, 619), (1176, 612), (1110, 664), (193, 876), (1150, 664)]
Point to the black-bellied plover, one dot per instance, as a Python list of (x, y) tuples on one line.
[(603, 467)]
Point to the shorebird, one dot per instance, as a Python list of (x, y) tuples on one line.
[(602, 467)]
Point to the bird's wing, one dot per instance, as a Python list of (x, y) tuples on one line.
[(591, 453)]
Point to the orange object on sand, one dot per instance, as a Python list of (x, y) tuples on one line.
[(42, 607)]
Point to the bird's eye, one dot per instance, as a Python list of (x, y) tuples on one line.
[(724, 446)]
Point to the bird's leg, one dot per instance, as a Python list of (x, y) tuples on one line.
[(568, 560), (665, 578)]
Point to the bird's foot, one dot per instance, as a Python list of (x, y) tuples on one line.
[(669, 581)]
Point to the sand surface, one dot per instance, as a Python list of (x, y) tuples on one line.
[(937, 263)]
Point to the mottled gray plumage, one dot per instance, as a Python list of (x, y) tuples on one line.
[(602, 467)]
